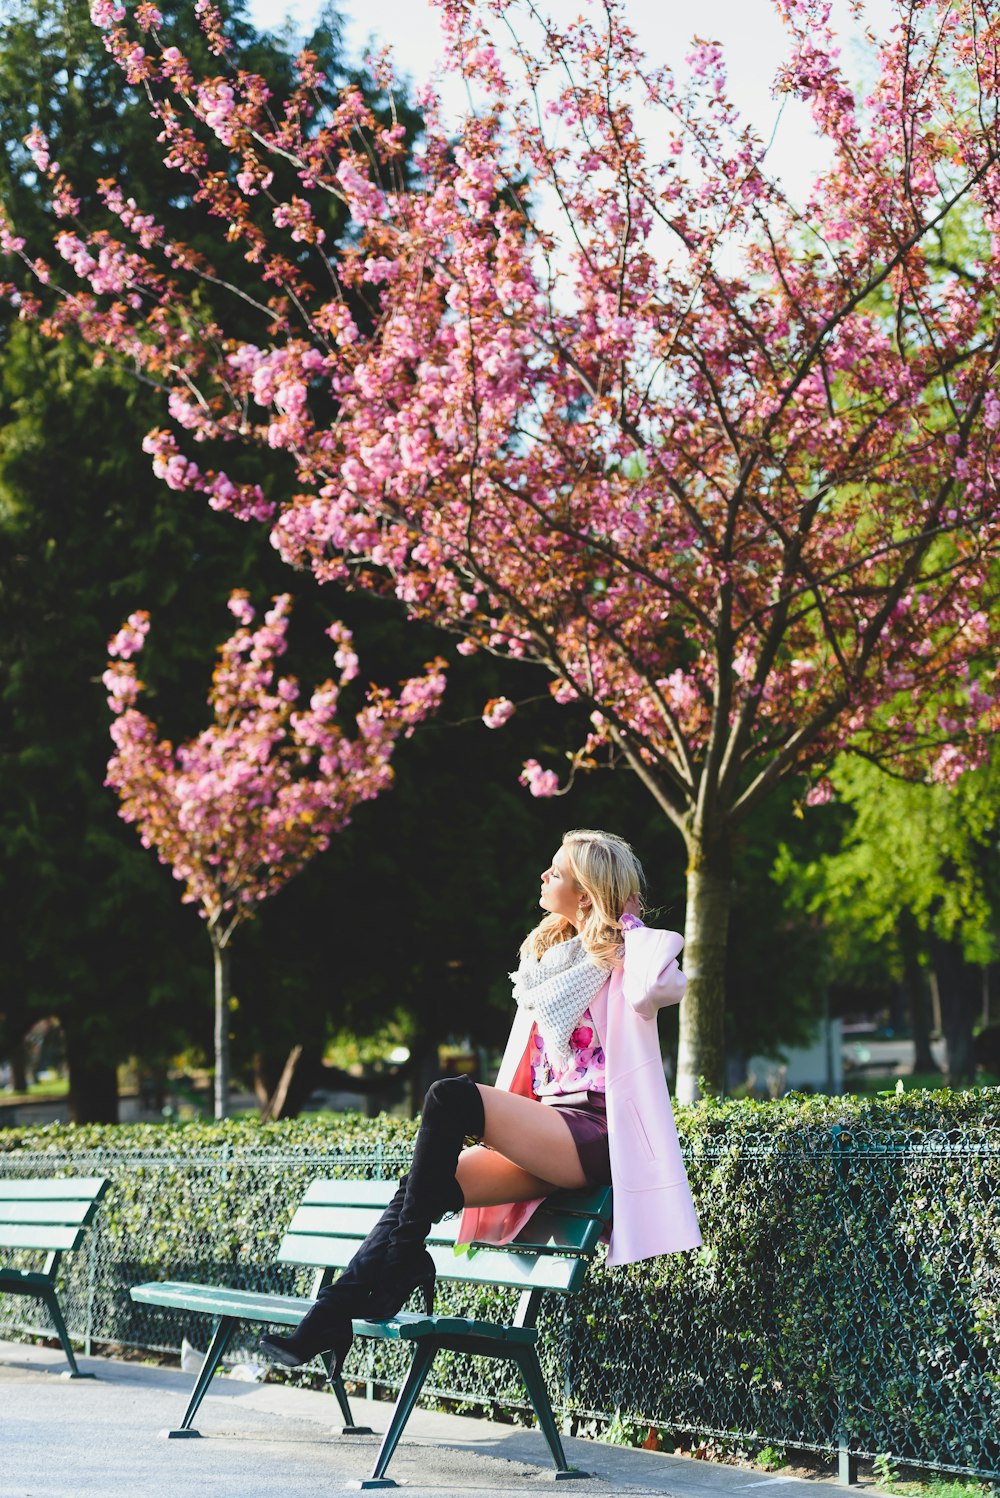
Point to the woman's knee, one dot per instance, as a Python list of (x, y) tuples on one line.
[(447, 1092), (455, 1097)]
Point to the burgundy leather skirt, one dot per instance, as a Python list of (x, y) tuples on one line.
[(588, 1123)]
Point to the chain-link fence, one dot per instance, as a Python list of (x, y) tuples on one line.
[(846, 1298)]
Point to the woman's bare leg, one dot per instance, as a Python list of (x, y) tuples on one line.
[(531, 1153)]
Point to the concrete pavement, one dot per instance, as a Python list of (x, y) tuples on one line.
[(99, 1438)]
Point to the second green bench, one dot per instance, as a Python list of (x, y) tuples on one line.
[(46, 1217), (551, 1255)]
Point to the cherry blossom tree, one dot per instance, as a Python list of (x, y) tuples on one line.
[(241, 808), (723, 465)]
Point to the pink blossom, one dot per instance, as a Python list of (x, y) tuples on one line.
[(217, 102), (538, 781), (242, 807), (104, 13), (991, 411), (38, 146), (241, 608), (819, 794), (131, 637), (10, 244), (497, 712)]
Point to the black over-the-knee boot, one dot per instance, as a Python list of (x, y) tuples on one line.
[(326, 1326), (452, 1112)]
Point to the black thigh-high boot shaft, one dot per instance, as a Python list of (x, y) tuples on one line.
[(452, 1112), (326, 1326)]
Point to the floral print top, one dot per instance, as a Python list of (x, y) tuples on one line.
[(585, 1072)]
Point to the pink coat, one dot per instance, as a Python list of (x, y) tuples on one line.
[(653, 1210)]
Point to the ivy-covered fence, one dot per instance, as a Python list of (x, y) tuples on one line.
[(847, 1298)]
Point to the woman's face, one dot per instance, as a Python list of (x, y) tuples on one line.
[(561, 895)]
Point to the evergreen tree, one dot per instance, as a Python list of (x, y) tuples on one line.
[(89, 931)]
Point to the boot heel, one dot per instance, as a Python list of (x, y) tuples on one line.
[(399, 1283)]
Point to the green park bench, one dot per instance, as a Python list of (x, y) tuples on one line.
[(48, 1217), (552, 1253)]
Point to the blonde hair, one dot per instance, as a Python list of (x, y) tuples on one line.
[(604, 867)]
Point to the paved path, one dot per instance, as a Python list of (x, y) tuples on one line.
[(63, 1438)]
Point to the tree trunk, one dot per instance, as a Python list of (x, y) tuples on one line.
[(265, 1077), (701, 1044), (307, 1074), (19, 1068), (93, 1081), (274, 1107), (987, 985), (221, 955), (422, 1070), (960, 988), (918, 996)]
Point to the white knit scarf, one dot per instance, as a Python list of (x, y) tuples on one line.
[(557, 988)]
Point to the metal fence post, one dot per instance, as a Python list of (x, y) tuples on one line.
[(566, 1422), (88, 1335), (847, 1462)]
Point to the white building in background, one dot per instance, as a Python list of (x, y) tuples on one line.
[(817, 1067)]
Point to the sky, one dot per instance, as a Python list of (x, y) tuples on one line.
[(751, 35)]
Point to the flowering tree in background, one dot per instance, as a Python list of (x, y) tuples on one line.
[(724, 467), (240, 809)]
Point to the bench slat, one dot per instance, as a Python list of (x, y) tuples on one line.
[(46, 1238), (548, 1231), (409, 1326), (335, 1193), (74, 1188), (28, 1281), (220, 1300), (287, 1310), (68, 1214), (493, 1266), (354, 1222)]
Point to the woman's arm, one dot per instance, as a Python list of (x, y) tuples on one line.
[(651, 977)]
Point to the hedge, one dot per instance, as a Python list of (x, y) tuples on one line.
[(845, 1297)]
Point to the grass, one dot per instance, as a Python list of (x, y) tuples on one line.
[(871, 1086), (38, 1092), (930, 1487)]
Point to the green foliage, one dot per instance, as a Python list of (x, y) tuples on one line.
[(774, 969), (929, 852), (619, 1432), (91, 929), (884, 1469), (929, 1488), (847, 1281), (771, 1458), (231, 1139)]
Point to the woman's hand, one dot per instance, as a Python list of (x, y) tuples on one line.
[(632, 908)]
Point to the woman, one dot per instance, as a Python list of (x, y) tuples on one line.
[(584, 1045)]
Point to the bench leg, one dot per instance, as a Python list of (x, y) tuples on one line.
[(55, 1311), (337, 1385), (213, 1357), (423, 1357), (526, 1359)]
